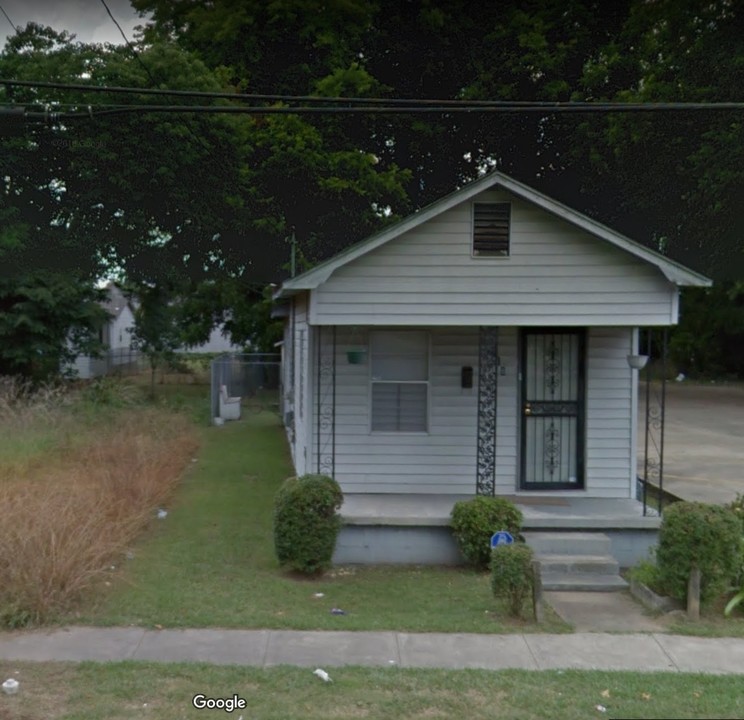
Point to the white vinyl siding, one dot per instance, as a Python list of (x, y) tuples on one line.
[(439, 461), (444, 459), (609, 403), (399, 381), (555, 274)]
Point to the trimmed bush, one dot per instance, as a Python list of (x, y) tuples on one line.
[(474, 521), (737, 506), (306, 523), (511, 575), (696, 534)]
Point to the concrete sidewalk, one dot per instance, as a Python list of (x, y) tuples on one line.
[(265, 648)]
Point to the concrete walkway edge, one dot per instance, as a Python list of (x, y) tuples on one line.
[(267, 648)]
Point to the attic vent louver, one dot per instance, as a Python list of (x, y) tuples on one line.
[(491, 229)]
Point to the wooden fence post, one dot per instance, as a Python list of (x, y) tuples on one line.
[(537, 592), (693, 594)]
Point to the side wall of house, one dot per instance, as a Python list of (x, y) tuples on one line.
[(444, 459), (302, 386), (120, 329), (555, 274)]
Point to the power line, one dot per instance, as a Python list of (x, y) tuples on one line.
[(12, 24), (126, 40), (241, 96), (93, 111), (430, 105)]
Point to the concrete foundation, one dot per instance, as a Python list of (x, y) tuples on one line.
[(414, 529)]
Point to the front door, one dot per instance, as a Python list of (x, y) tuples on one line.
[(552, 434)]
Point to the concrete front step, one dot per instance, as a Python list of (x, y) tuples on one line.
[(584, 564), (578, 561), (582, 582), (568, 543)]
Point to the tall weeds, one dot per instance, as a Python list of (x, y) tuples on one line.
[(64, 518)]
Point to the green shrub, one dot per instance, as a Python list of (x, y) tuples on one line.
[(306, 523), (646, 572), (511, 574), (737, 506), (696, 534), (474, 521)]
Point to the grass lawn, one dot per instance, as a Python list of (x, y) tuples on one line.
[(117, 691), (211, 561), (712, 623)]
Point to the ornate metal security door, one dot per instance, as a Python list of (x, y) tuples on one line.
[(552, 409)]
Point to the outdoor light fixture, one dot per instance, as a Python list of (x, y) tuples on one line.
[(637, 362)]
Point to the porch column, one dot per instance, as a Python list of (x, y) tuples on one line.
[(655, 416), (488, 373), (325, 397)]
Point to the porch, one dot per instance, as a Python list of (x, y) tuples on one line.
[(414, 528)]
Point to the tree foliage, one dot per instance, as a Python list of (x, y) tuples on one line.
[(684, 200), (46, 320), (156, 330), (213, 198)]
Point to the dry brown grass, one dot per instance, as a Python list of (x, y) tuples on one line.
[(69, 513)]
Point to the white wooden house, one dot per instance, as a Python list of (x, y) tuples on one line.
[(480, 345), (115, 335)]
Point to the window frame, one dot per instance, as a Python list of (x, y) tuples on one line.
[(427, 383), (490, 255)]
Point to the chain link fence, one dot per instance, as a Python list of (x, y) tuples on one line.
[(253, 377)]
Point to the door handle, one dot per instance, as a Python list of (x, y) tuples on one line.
[(527, 409)]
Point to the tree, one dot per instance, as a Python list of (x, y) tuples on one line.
[(156, 332), (680, 174), (243, 309), (46, 320), (670, 181), (125, 192)]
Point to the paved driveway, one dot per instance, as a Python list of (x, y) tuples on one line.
[(704, 441)]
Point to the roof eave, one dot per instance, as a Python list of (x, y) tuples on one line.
[(673, 271)]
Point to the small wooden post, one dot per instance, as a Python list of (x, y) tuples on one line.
[(693, 594), (537, 592)]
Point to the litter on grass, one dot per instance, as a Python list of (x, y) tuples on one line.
[(338, 611), (162, 514), (322, 674), (10, 686)]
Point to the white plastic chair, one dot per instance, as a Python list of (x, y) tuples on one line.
[(229, 406)]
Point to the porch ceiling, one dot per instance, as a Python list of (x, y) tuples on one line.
[(540, 512)]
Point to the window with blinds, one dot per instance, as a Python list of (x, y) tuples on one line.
[(491, 229), (400, 380)]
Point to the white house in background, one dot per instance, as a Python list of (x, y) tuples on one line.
[(479, 346), (115, 334), (218, 342)]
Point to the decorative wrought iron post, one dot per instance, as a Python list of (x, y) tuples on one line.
[(488, 372), (326, 403), (653, 456)]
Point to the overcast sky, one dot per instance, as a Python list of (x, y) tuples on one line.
[(88, 19)]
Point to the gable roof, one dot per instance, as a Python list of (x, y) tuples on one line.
[(115, 301), (674, 272)]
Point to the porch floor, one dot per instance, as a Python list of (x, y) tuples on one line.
[(575, 513)]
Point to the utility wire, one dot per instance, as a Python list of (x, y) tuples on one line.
[(242, 96), (12, 24), (113, 19), (430, 105), (559, 108)]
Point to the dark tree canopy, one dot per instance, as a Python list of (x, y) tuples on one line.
[(202, 200), (670, 181)]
